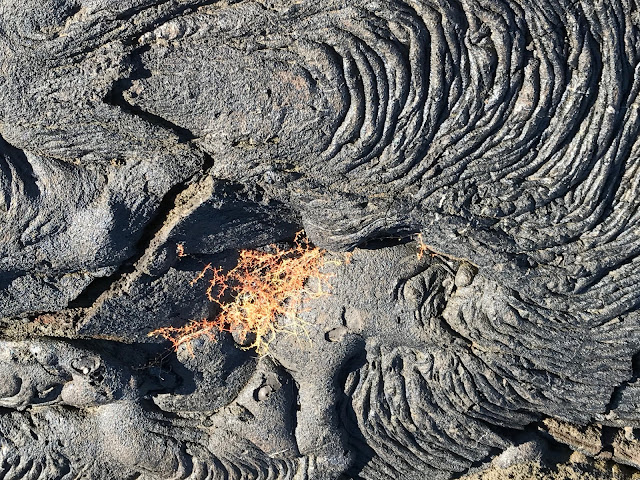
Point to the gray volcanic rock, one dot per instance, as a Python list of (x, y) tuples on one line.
[(478, 159)]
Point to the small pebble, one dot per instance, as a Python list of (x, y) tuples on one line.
[(465, 275), (337, 334), (85, 365), (264, 392)]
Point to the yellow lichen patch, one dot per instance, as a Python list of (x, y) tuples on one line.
[(266, 290)]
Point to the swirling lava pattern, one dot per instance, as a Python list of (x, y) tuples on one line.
[(515, 121), (407, 426), (516, 126), (506, 132)]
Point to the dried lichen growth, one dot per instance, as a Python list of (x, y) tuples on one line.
[(422, 247), (266, 291)]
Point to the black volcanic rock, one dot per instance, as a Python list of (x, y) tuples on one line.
[(478, 159)]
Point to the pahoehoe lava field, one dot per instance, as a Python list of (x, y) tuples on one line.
[(341, 239)]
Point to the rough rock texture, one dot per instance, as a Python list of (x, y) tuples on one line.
[(505, 133)]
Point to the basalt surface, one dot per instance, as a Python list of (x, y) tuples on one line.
[(477, 160)]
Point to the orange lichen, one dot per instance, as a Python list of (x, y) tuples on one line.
[(180, 250), (266, 290), (200, 275), (422, 247)]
